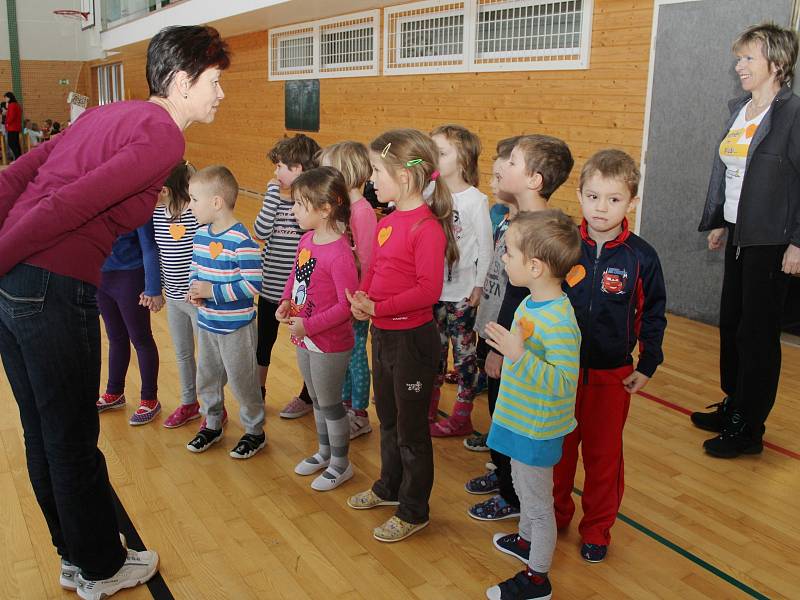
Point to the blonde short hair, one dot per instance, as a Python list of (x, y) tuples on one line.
[(220, 182), (351, 159), (549, 235), (779, 45)]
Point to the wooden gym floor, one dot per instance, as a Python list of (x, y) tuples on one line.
[(691, 526)]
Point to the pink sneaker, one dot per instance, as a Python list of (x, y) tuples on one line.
[(295, 408), (147, 411), (182, 415), (452, 426), (110, 402), (224, 419)]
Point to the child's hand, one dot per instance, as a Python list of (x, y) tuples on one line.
[(296, 328), (635, 382), (154, 303), (282, 314), (475, 297), (360, 305), (507, 343), (716, 238), (201, 289), (274, 181), (494, 364)]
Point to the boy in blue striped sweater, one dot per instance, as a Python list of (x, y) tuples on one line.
[(536, 401), (224, 278)]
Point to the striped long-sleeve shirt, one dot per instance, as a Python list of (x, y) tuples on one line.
[(175, 239), (536, 402), (276, 225), (230, 261)]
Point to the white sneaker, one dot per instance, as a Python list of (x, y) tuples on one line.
[(325, 484), (358, 425), (312, 464), (139, 567), (70, 571)]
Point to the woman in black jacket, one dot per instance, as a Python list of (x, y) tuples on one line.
[(754, 199)]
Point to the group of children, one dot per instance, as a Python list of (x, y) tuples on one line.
[(548, 311)]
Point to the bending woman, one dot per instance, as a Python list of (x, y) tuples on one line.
[(62, 205)]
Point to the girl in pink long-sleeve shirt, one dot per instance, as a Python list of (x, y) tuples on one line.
[(314, 305), (352, 159), (398, 292)]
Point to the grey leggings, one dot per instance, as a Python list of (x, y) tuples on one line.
[(537, 518), (324, 376), (182, 321)]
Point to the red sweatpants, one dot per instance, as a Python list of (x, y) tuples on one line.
[(601, 408)]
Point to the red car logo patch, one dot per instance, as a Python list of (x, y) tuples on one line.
[(614, 280)]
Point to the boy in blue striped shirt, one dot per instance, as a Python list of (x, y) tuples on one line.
[(224, 278), (536, 402)]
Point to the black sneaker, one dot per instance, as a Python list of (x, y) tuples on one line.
[(513, 545), (736, 439), (521, 587), (713, 421), (594, 553), (249, 445), (476, 443), (204, 439)]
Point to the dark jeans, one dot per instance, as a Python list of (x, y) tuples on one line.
[(501, 461), (753, 294), (404, 365), (50, 345), (13, 143), (127, 323)]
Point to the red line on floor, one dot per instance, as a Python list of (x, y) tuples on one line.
[(686, 411)]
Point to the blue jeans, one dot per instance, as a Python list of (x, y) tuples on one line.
[(50, 346)]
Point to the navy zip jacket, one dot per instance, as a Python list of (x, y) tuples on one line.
[(619, 298)]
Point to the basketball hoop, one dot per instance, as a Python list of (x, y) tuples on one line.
[(72, 14)]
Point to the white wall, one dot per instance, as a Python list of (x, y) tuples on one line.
[(45, 36)]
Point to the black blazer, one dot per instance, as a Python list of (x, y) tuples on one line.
[(769, 206)]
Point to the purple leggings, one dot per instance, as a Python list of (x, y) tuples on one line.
[(126, 322)]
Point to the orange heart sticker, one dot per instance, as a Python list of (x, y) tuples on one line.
[(215, 249), (384, 234), (303, 257), (527, 327), (575, 275), (177, 231), (750, 131)]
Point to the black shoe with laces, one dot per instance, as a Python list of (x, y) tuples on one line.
[(716, 420), (523, 586), (204, 439), (249, 445), (737, 438), (513, 545)]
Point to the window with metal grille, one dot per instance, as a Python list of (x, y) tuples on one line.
[(425, 36), (110, 83), (487, 35), (345, 46)]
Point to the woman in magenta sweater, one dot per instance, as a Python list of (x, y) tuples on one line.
[(62, 205)]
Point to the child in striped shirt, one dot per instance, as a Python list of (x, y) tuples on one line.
[(224, 278), (536, 401), (278, 228)]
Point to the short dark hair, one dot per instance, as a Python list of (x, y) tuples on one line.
[(192, 48), (548, 156), (549, 235), (221, 183), (298, 150), (505, 146)]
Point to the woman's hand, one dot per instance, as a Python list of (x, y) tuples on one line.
[(791, 260), (716, 238), (282, 314)]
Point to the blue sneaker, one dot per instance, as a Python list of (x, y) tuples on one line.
[(485, 484), (493, 509), (594, 553), (513, 545)]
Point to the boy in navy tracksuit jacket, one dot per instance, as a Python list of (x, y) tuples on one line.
[(618, 295)]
